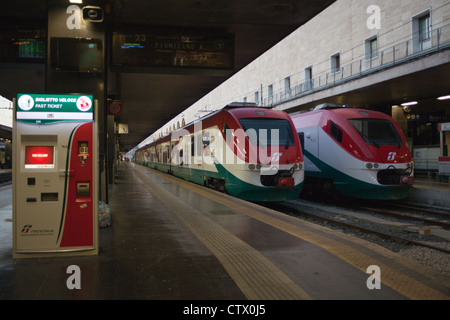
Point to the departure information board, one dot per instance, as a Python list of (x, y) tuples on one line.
[(171, 48), (22, 43)]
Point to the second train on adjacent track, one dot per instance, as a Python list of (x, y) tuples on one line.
[(354, 152)]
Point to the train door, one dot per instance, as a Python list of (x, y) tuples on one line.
[(309, 138), (2, 153)]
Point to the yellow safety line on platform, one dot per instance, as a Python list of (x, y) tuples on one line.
[(409, 287), (255, 275)]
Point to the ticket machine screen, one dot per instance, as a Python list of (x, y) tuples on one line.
[(39, 157)]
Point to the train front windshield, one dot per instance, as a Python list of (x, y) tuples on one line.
[(377, 132), (268, 132)]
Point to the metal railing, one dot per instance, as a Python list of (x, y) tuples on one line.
[(416, 47)]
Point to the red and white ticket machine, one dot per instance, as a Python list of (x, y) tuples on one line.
[(55, 170)]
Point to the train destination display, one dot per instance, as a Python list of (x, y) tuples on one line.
[(155, 48)]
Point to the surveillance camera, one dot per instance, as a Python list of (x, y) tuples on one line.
[(93, 14)]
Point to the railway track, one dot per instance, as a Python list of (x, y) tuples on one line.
[(5, 176), (401, 228), (427, 216)]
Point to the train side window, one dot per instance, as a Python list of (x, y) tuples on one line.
[(225, 130), (206, 139), (168, 154), (301, 136), (335, 132), (199, 144)]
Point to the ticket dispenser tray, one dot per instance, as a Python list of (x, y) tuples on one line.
[(83, 189)]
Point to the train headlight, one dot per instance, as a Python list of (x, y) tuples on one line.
[(376, 165), (368, 165), (300, 166), (251, 166), (258, 167)]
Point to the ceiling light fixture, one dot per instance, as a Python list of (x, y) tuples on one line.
[(407, 104), (444, 98), (76, 1)]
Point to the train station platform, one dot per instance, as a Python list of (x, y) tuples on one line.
[(430, 191), (173, 240)]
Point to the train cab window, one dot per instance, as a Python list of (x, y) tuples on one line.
[(335, 132), (377, 131), (263, 131)]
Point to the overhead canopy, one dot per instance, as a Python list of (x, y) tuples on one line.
[(153, 96)]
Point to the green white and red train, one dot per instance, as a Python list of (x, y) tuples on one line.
[(356, 152), (261, 154), (251, 153)]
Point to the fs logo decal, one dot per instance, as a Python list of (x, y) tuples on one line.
[(26, 228), (391, 156)]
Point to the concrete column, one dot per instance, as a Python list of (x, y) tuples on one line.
[(65, 20)]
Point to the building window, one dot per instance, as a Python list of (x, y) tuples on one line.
[(335, 63), (308, 78), (371, 47), (374, 48), (424, 28), (271, 91), (421, 29), (287, 84), (257, 97)]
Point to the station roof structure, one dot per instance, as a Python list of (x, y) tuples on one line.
[(151, 99)]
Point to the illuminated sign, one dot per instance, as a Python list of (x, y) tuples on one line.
[(444, 126), (173, 48), (46, 108), (22, 42), (39, 157)]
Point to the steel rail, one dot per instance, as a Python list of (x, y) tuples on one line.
[(356, 227)]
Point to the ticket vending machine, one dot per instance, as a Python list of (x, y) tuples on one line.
[(55, 170)]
